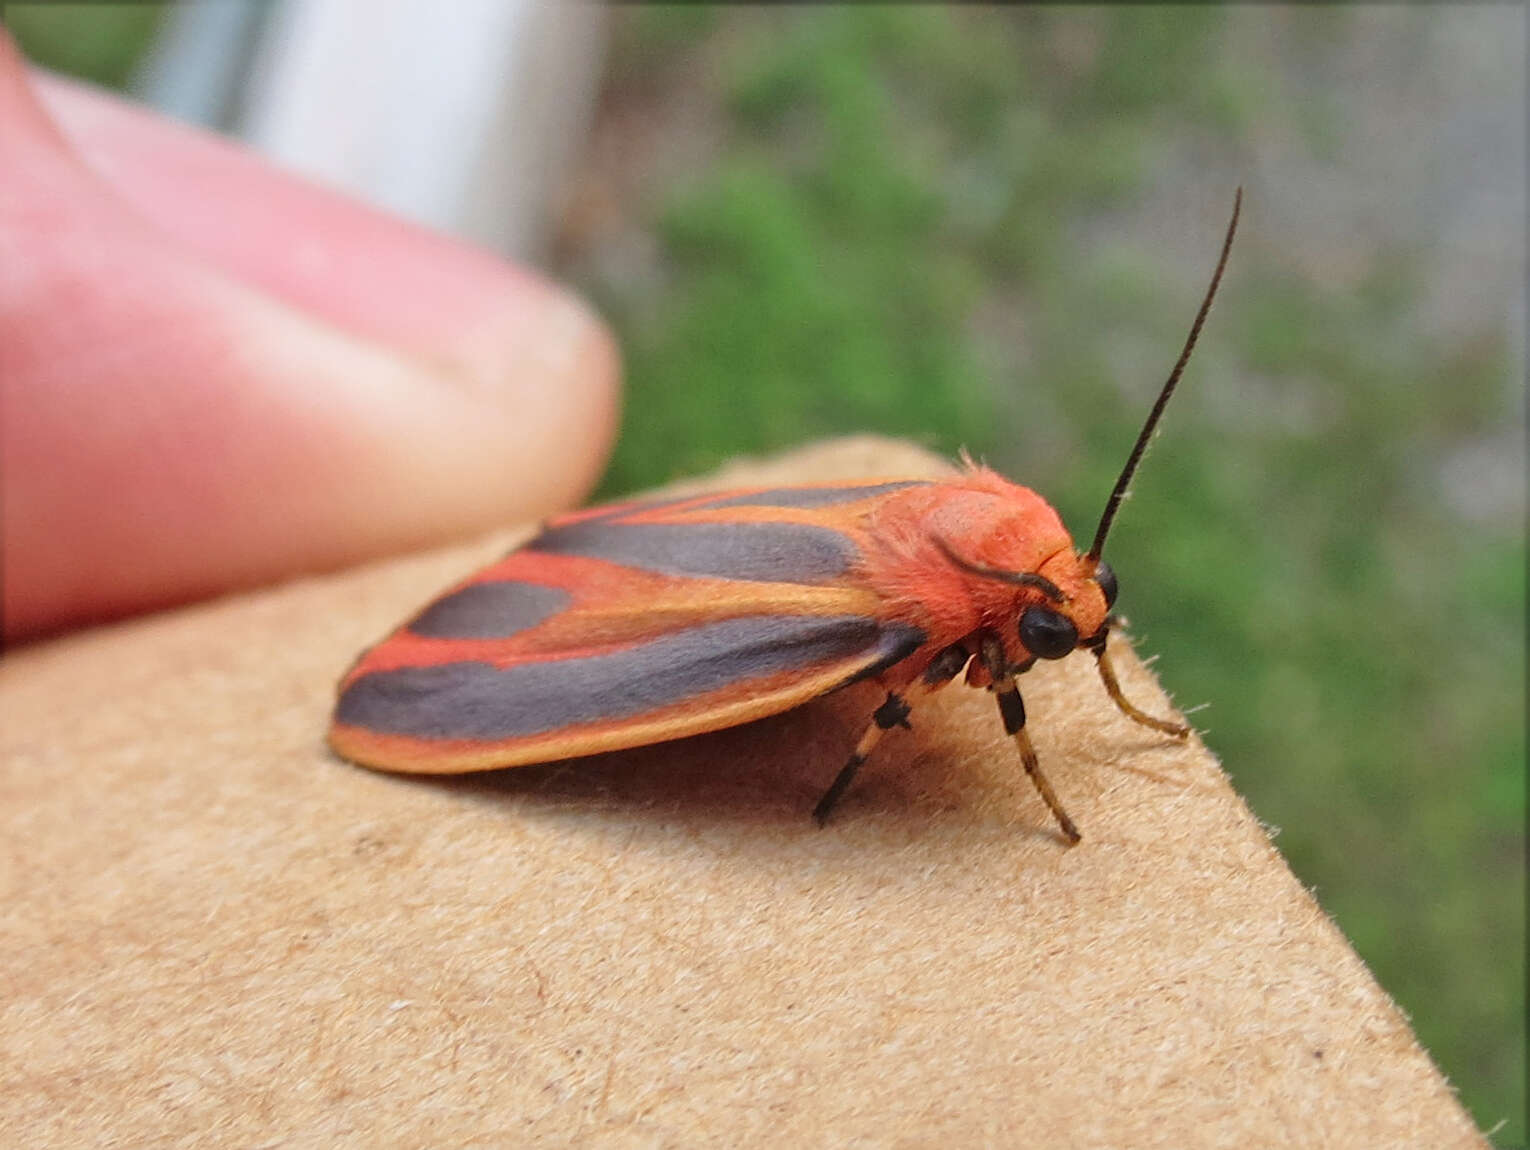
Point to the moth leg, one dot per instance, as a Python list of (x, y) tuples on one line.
[(1012, 710), (893, 712), (1113, 689)]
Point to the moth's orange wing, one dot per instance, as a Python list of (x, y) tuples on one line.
[(629, 625)]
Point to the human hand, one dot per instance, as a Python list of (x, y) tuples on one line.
[(213, 375)]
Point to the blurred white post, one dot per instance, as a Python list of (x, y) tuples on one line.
[(463, 116)]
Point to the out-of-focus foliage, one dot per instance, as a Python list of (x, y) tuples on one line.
[(98, 42)]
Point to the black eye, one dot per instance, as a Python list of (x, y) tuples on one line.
[(1046, 633), (1106, 578)]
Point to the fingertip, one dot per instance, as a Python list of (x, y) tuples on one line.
[(552, 372), (189, 414)]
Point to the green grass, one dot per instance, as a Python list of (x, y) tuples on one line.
[(98, 42), (898, 227)]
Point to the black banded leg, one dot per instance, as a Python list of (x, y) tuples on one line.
[(893, 712), (1113, 689), (1012, 710), (846, 776)]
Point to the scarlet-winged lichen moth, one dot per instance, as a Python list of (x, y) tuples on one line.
[(655, 619)]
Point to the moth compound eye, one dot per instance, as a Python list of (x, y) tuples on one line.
[(1106, 578), (1046, 633)]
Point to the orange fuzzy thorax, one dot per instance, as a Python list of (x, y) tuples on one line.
[(986, 520)]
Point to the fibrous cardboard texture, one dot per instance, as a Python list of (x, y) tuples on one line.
[(215, 933)]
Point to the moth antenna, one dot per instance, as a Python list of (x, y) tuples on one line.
[(1113, 504), (1020, 578)]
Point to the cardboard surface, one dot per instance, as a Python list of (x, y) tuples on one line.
[(215, 933)]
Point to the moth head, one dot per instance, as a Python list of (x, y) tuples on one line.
[(1069, 619), (1065, 603)]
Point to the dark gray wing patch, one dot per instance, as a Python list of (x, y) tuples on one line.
[(471, 700), (756, 552), (808, 497), (493, 610), (898, 642)]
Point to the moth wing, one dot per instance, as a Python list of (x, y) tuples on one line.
[(615, 631), (469, 714)]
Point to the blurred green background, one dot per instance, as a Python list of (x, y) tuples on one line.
[(989, 228)]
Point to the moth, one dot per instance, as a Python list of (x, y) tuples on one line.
[(655, 619)]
